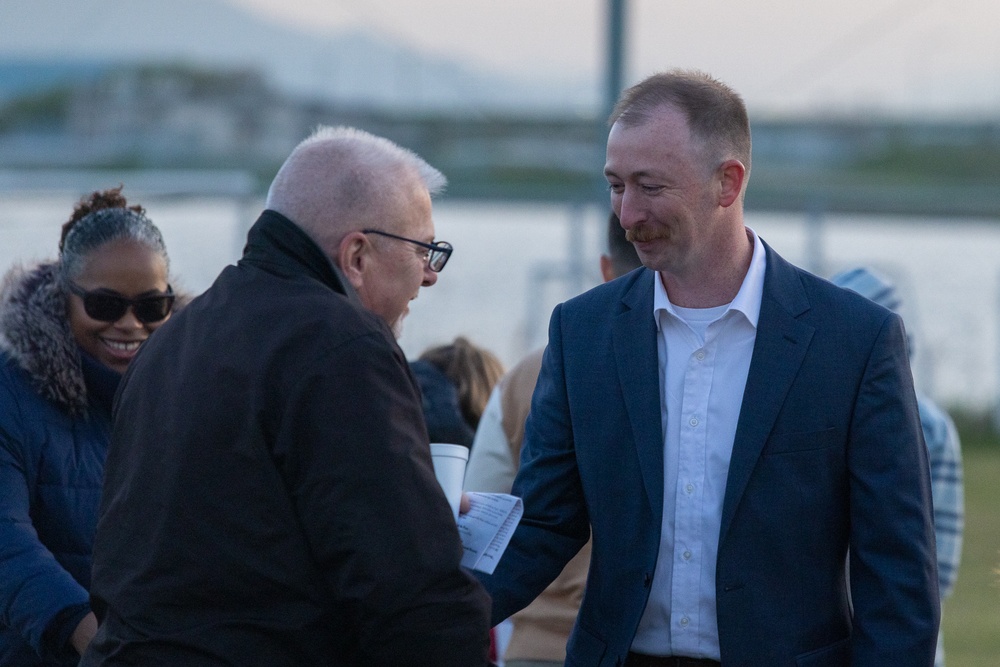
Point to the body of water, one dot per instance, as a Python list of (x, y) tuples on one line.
[(514, 262)]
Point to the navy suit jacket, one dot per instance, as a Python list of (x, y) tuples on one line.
[(828, 466)]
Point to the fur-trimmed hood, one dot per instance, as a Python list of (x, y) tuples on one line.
[(35, 333)]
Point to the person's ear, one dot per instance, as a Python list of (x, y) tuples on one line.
[(607, 270), (732, 174), (353, 255)]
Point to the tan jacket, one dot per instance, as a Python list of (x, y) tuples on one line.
[(542, 628)]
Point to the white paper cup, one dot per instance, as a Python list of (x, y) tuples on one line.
[(449, 468)]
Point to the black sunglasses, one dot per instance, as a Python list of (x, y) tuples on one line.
[(437, 255), (106, 305)]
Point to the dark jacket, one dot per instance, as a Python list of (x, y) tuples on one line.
[(439, 399), (827, 458), (55, 424), (270, 498)]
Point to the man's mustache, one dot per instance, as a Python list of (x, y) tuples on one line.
[(644, 234)]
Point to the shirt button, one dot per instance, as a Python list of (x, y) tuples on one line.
[(699, 355), (687, 555), (689, 488), (685, 621), (693, 421)]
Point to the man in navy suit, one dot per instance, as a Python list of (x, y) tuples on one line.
[(741, 437)]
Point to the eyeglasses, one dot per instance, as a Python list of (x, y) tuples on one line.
[(437, 253), (106, 305)]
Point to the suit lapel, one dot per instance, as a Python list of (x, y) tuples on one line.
[(780, 347), (634, 341)]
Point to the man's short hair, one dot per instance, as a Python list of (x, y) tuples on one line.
[(372, 149), (341, 178), (715, 112)]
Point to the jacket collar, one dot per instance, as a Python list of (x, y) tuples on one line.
[(782, 341), (279, 246), (783, 337), (634, 341)]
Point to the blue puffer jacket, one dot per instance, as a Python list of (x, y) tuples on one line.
[(54, 431)]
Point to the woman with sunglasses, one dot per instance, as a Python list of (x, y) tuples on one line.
[(68, 330)]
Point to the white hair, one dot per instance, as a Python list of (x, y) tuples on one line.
[(375, 152), (341, 179), (379, 150)]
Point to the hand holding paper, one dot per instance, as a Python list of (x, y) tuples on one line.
[(485, 530), (487, 527)]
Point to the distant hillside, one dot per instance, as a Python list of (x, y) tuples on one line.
[(24, 77), (357, 68), (179, 117)]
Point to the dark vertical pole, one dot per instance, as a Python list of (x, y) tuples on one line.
[(614, 74), (613, 77), (615, 66)]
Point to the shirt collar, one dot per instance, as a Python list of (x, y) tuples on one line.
[(746, 301)]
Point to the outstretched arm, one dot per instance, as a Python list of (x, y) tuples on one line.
[(555, 525)]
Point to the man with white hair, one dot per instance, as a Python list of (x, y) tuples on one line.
[(269, 494)]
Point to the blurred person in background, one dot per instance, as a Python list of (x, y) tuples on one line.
[(539, 631), (269, 496), (68, 330), (455, 383), (943, 449)]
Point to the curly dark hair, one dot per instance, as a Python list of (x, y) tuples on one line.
[(97, 201)]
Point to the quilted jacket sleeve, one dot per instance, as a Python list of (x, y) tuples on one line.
[(34, 587)]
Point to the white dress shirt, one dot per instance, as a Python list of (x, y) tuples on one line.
[(704, 357)]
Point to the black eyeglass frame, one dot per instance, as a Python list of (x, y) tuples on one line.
[(122, 304), (441, 249)]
